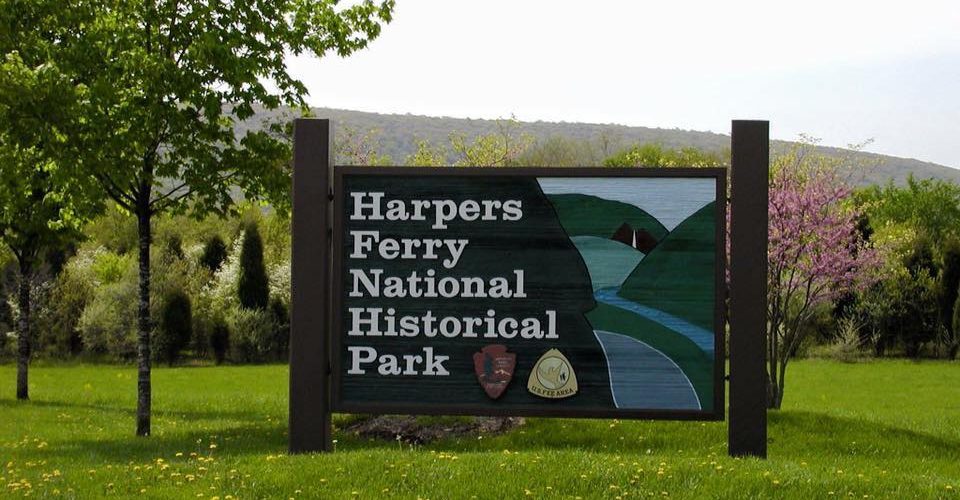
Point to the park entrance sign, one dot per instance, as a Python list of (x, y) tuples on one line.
[(589, 292), (520, 291)]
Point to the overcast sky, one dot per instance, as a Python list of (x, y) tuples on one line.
[(841, 70)]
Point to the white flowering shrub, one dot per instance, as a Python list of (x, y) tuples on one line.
[(279, 275)]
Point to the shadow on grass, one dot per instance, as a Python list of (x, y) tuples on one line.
[(799, 433), (232, 441), (129, 411), (793, 434)]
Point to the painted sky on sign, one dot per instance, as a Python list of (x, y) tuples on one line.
[(671, 201)]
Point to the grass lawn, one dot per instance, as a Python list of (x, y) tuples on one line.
[(887, 429)]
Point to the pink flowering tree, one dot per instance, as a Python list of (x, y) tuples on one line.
[(815, 252)]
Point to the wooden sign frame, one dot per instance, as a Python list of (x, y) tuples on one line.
[(317, 228)]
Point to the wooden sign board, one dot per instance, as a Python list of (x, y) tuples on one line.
[(521, 291)]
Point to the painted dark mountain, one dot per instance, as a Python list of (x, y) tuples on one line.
[(585, 215), (641, 239)]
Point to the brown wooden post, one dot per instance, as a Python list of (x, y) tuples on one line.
[(310, 425), (750, 165)]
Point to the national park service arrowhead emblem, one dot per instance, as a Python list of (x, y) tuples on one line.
[(552, 377), (494, 367)]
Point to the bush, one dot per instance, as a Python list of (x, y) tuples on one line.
[(57, 319), (953, 348), (281, 329), (847, 344), (109, 267), (114, 230), (172, 246), (214, 253), (252, 335), (280, 282), (108, 323), (6, 323), (220, 341), (253, 288), (176, 328)]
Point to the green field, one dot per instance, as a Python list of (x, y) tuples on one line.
[(887, 429)]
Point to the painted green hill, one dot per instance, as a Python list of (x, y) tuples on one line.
[(585, 215), (677, 277), (609, 262)]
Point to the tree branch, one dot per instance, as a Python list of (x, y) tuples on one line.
[(121, 197)]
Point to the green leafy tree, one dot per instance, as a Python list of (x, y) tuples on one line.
[(915, 318), (655, 155), (947, 295), (253, 287), (39, 210), (498, 149), (170, 84), (930, 206), (920, 222), (427, 155)]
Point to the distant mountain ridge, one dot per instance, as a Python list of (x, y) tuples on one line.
[(397, 136)]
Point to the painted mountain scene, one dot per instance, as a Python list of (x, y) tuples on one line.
[(649, 246)]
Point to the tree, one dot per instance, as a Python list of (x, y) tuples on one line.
[(214, 253), (559, 151), (920, 222), (655, 155), (38, 210), (499, 149), (931, 206), (176, 327), (816, 253), (948, 293), (170, 84), (360, 148), (253, 286), (427, 155), (220, 341)]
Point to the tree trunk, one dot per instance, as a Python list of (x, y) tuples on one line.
[(23, 333), (143, 325), (777, 400), (774, 393), (953, 351), (774, 390)]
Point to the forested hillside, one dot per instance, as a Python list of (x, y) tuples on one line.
[(396, 136)]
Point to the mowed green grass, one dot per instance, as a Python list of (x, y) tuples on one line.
[(886, 429)]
